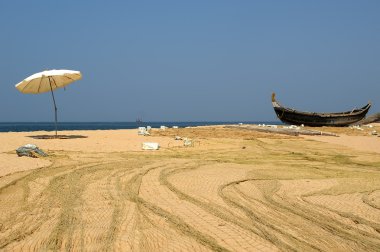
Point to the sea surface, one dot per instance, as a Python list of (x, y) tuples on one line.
[(49, 126)]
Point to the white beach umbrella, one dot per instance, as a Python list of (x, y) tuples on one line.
[(47, 81)]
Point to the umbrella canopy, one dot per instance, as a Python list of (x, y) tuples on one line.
[(47, 81)]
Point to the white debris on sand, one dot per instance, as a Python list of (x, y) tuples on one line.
[(268, 126), (356, 127), (143, 131), (150, 146), (291, 127), (187, 142)]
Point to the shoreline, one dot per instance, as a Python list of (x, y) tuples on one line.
[(49, 126), (127, 140)]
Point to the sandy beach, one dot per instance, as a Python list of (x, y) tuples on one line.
[(232, 190)]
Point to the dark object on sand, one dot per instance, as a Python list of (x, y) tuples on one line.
[(57, 136), (369, 119), (292, 116), (285, 131), (30, 150)]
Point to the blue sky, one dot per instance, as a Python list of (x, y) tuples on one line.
[(190, 60)]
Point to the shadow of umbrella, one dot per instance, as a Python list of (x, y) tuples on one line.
[(57, 136), (47, 81)]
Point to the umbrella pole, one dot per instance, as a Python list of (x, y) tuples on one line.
[(55, 109)]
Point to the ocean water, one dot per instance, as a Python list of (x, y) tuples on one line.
[(49, 126)]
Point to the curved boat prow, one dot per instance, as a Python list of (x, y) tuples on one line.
[(275, 104)]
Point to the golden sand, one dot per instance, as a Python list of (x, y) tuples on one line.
[(232, 191)]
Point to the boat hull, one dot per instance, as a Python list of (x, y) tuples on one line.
[(316, 120), (292, 116)]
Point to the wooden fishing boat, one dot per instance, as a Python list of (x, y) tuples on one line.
[(292, 116)]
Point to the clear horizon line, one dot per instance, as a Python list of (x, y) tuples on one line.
[(185, 121)]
